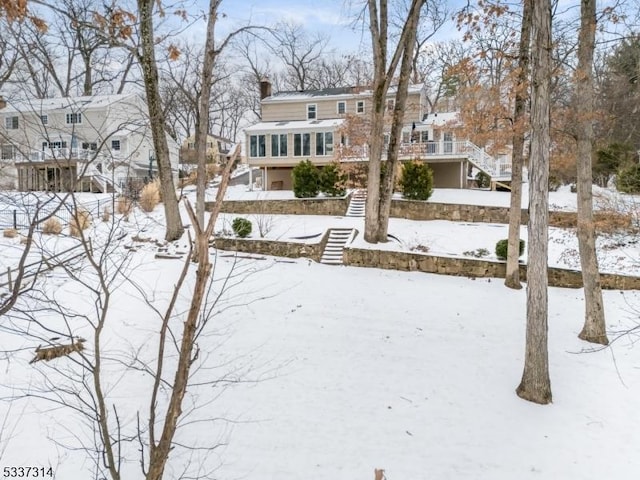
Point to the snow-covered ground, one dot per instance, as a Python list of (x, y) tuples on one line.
[(561, 200), (342, 370), (335, 371)]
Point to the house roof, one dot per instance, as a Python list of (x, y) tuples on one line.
[(440, 119), (340, 92), (61, 103), (293, 125)]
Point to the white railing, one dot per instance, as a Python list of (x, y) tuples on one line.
[(59, 154), (495, 168)]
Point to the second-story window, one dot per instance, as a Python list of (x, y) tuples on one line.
[(312, 113), (342, 108), (44, 119), (115, 144), (7, 152), (11, 123), (74, 118), (360, 106), (257, 146)]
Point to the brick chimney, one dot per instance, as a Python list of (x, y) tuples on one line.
[(3, 102), (265, 88)]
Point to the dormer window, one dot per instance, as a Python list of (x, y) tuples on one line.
[(312, 113)]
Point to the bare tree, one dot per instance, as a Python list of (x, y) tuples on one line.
[(300, 53), (70, 57), (434, 17), (147, 59), (536, 385), (594, 329), (384, 72), (9, 55), (512, 276)]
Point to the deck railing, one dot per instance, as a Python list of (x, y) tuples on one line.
[(62, 155), (496, 168)]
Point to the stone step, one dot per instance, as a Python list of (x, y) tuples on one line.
[(334, 249)]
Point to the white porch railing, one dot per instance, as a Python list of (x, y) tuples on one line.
[(496, 168), (61, 155)]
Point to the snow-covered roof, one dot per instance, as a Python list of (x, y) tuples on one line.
[(60, 103), (292, 125), (337, 93), (440, 119)]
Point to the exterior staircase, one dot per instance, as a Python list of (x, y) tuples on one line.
[(357, 204), (338, 238), (498, 170)]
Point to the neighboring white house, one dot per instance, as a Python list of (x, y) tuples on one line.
[(96, 143)]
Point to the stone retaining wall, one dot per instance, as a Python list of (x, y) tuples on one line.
[(415, 210), (411, 261), (473, 267), (298, 206), (409, 209), (273, 247)]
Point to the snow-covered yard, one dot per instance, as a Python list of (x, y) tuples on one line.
[(335, 371), (344, 370)]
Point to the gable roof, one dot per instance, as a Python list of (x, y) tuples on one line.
[(328, 93), (61, 103)]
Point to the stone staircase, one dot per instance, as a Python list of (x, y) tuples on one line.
[(357, 204), (338, 237)]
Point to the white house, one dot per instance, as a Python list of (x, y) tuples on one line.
[(96, 143)]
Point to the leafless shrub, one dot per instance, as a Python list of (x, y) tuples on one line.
[(123, 206), (265, 224), (106, 214), (614, 214), (10, 233), (150, 196), (52, 226), (80, 220)]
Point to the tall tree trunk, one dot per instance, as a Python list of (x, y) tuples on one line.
[(536, 385), (594, 329), (159, 451), (389, 178), (512, 278), (384, 71), (202, 121), (174, 228), (378, 29)]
